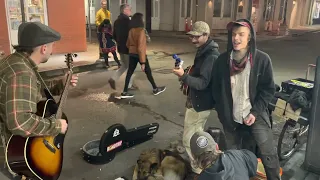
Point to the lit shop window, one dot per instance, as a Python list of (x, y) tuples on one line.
[(34, 11), (15, 14)]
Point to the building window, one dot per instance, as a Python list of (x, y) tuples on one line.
[(316, 14), (188, 8), (183, 8), (123, 2), (227, 8), (26, 11), (35, 11), (269, 9), (15, 14), (217, 8), (281, 14), (155, 13), (226, 5)]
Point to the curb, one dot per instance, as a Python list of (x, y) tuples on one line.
[(54, 73), (99, 64)]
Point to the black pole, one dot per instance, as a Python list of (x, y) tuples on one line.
[(249, 10), (285, 12), (148, 15)]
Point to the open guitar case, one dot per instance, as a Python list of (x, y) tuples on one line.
[(115, 139)]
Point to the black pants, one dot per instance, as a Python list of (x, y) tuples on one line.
[(115, 57), (133, 61), (258, 134)]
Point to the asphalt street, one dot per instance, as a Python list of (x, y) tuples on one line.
[(91, 108)]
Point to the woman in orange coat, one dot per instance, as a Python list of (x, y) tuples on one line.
[(137, 44)]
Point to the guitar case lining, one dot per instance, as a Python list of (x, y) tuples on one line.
[(96, 151), (91, 153)]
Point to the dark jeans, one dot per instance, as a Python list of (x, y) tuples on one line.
[(259, 135), (115, 57), (133, 61)]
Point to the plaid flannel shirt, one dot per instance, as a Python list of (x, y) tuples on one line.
[(20, 91)]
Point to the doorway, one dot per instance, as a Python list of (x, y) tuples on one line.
[(222, 13), (19, 11), (155, 18)]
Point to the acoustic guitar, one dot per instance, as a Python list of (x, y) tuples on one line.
[(41, 158)]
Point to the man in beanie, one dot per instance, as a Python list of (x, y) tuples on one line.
[(21, 85), (243, 86), (218, 165), (199, 98)]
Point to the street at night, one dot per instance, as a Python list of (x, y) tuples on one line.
[(91, 108)]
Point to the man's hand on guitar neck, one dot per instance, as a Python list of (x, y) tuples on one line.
[(73, 81), (64, 126)]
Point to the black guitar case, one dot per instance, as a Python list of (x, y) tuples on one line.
[(116, 139)]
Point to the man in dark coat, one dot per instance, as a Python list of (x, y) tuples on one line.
[(120, 34), (199, 99), (242, 87)]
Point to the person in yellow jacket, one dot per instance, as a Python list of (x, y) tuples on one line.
[(101, 15)]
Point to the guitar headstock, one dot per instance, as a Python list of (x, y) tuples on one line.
[(69, 60)]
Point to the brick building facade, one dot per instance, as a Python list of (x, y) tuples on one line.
[(67, 17)]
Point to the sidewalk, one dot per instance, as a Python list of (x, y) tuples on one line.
[(89, 57), (221, 35)]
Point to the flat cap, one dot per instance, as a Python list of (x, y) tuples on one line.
[(33, 34)]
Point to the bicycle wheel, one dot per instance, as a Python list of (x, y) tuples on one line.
[(286, 149)]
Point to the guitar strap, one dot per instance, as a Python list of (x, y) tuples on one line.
[(43, 84)]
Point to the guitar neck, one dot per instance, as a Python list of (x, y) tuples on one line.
[(63, 96)]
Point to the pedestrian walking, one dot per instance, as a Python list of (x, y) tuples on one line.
[(107, 43), (137, 45)]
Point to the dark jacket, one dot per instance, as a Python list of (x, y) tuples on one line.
[(199, 80), (232, 165), (261, 84), (120, 33)]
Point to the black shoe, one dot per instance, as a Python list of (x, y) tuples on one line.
[(112, 84), (125, 95), (159, 90)]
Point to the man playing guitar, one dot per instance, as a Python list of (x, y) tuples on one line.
[(199, 100), (21, 85)]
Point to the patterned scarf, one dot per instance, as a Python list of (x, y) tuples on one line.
[(235, 67)]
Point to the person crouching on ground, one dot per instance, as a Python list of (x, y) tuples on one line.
[(137, 44), (218, 165), (107, 43)]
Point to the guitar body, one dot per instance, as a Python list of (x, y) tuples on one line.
[(185, 88), (37, 158)]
